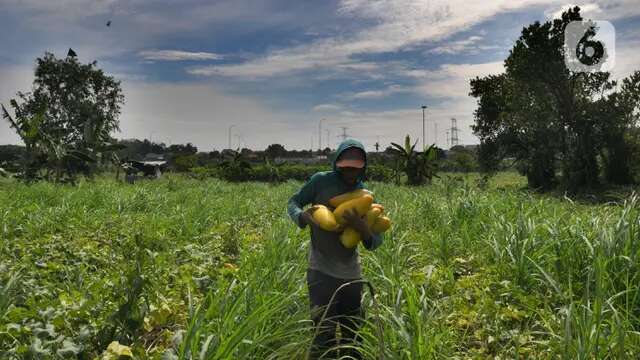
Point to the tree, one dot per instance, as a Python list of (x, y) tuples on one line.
[(187, 149), (67, 120), (185, 162), (275, 150), (620, 113), (461, 159), (546, 116)]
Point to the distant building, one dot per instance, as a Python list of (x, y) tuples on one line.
[(153, 157), (153, 168)]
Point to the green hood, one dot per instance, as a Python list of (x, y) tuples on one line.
[(349, 143)]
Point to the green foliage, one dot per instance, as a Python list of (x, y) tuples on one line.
[(67, 121), (460, 159), (6, 294), (275, 150), (189, 269), (418, 166), (235, 167), (549, 118), (183, 163), (10, 157)]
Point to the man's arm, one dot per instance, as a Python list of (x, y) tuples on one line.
[(299, 200)]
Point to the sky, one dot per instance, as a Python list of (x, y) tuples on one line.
[(275, 71)]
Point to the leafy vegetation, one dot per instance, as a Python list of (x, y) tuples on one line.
[(419, 166), (180, 268), (572, 129), (67, 121)]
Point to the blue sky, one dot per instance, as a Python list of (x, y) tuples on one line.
[(191, 69)]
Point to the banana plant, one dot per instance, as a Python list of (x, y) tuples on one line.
[(273, 169), (235, 167), (28, 128), (418, 166)]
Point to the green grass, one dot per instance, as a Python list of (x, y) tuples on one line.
[(212, 270)]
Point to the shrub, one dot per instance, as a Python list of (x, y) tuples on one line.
[(184, 163)]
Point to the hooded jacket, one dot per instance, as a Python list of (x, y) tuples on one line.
[(326, 253)]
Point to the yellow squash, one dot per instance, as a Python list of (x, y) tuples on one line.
[(350, 238), (338, 200), (361, 205), (379, 207), (325, 218), (372, 215), (381, 225)]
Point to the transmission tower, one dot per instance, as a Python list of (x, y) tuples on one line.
[(344, 135), (454, 132)]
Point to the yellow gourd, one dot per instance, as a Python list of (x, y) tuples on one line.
[(350, 238), (361, 205), (379, 207), (372, 215), (381, 225), (338, 200), (325, 218)]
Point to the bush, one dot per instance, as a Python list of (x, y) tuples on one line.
[(379, 173), (184, 163)]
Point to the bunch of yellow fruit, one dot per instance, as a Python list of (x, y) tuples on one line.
[(362, 201)]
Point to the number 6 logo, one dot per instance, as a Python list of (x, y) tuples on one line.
[(589, 46)]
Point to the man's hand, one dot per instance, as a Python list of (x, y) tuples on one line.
[(359, 223)]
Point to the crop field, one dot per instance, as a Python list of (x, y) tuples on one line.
[(187, 269)]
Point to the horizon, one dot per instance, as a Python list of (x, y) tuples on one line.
[(271, 71)]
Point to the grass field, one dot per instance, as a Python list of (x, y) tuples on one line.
[(181, 268)]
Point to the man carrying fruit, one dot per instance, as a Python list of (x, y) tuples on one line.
[(342, 216)]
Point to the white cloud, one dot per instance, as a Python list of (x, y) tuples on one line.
[(326, 107), (627, 58), (376, 94), (600, 10), (177, 55), (452, 80), (469, 45), (446, 90), (398, 24), (202, 114)]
